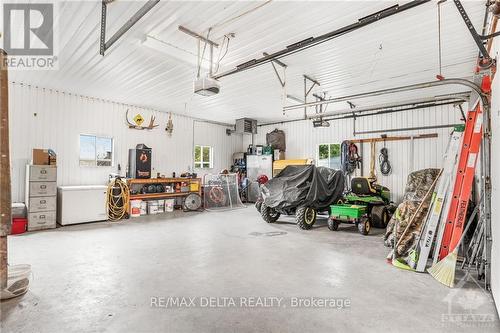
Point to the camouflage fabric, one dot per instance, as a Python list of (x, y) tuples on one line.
[(418, 184)]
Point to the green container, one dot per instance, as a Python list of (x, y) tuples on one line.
[(347, 211)]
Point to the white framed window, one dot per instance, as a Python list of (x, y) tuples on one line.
[(203, 157), (329, 155), (96, 150)]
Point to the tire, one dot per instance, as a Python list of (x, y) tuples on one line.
[(333, 224), (305, 217), (379, 216), (364, 227), (258, 205), (268, 214)]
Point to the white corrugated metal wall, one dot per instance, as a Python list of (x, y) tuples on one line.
[(43, 118), (302, 140), (495, 182)]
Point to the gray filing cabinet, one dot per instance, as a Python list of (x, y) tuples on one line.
[(41, 196)]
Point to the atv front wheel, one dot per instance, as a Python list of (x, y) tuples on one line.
[(305, 217), (333, 224), (258, 205), (269, 214), (364, 227), (379, 216)]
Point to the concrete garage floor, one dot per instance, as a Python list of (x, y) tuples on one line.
[(101, 277)]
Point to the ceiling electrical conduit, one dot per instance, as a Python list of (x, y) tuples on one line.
[(376, 110), (411, 87), (415, 103)]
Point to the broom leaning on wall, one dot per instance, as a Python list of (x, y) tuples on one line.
[(444, 270)]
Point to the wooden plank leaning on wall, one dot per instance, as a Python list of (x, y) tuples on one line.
[(5, 190)]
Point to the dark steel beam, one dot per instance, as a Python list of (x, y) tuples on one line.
[(477, 38), (313, 41), (126, 27)]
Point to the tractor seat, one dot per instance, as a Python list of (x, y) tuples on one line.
[(362, 186)]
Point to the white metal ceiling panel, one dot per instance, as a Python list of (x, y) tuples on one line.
[(399, 50)]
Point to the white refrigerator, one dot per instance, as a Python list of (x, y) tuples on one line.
[(257, 165)]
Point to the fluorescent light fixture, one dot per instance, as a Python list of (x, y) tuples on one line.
[(184, 56)]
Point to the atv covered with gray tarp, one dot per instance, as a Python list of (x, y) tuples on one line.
[(301, 190)]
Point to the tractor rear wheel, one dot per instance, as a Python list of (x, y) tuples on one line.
[(305, 217), (269, 214), (379, 216)]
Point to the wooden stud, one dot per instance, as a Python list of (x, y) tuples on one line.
[(5, 189), (395, 138)]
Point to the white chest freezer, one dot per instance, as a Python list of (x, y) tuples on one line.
[(81, 204)]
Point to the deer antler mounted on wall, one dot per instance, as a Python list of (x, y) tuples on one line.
[(139, 127), (170, 125)]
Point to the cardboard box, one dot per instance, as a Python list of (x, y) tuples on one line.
[(40, 157)]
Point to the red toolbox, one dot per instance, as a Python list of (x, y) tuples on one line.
[(18, 226)]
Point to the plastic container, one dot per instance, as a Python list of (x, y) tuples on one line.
[(161, 206), (169, 205), (17, 282), (144, 208), (152, 207), (19, 226), (135, 208)]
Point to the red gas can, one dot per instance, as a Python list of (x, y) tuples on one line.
[(18, 226)]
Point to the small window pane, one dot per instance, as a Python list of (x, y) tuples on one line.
[(329, 155), (206, 154), (96, 151), (197, 154), (335, 156), (323, 152), (104, 147), (87, 150)]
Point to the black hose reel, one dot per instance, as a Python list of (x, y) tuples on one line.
[(383, 160)]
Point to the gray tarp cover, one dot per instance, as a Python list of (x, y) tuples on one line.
[(308, 185)]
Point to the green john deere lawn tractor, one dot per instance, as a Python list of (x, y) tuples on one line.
[(367, 205)]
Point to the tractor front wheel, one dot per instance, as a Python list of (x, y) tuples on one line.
[(333, 224), (258, 205), (305, 217)]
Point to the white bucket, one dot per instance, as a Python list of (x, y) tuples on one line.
[(161, 206), (152, 207), (144, 208), (135, 208), (169, 205)]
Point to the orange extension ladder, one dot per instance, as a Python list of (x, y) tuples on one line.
[(463, 182)]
